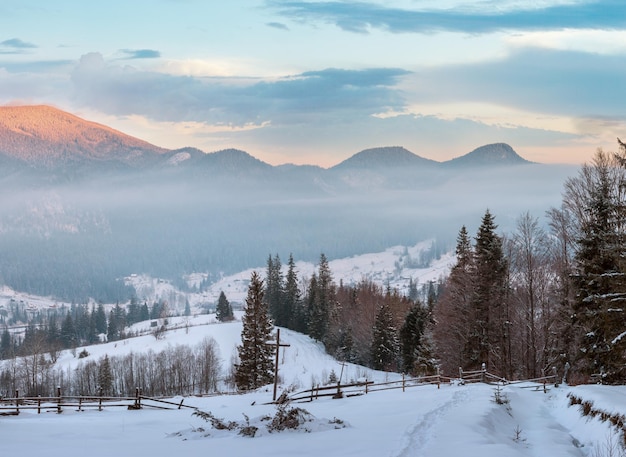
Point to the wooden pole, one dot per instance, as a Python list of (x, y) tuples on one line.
[(278, 346), (276, 363), (39, 404), (17, 401), (59, 410)]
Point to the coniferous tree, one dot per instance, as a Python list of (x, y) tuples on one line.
[(101, 319), (223, 310), (6, 344), (256, 363), (384, 341), (487, 338), (411, 337), (293, 306), (454, 313), (144, 312), (68, 332), (113, 331), (274, 291), (597, 201), (105, 376), (320, 301)]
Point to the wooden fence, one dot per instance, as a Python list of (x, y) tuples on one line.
[(13, 405), (365, 387)]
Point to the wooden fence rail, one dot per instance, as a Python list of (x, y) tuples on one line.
[(11, 406), (360, 388)]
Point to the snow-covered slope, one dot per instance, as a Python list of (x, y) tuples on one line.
[(425, 421), (396, 267)]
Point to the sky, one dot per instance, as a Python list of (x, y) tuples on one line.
[(314, 82)]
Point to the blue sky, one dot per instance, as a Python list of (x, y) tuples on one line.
[(314, 82)]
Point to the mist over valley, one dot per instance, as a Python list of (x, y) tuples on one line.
[(84, 205)]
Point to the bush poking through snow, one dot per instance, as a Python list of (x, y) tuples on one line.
[(285, 418), (288, 418)]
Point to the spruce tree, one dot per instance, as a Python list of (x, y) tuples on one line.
[(293, 307), (68, 332), (384, 341), (256, 363), (597, 201), (487, 339), (453, 312), (105, 376), (101, 319), (320, 301), (223, 310), (411, 337), (274, 291)]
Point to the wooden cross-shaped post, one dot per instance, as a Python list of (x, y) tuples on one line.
[(278, 346)]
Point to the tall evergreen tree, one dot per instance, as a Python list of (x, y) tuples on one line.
[(223, 310), (487, 339), (454, 313), (256, 363), (293, 306), (597, 200), (384, 341), (68, 332), (411, 337), (101, 319), (105, 376), (274, 291), (320, 301)]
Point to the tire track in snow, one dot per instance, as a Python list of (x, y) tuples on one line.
[(417, 436)]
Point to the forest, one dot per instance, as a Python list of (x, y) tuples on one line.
[(523, 302)]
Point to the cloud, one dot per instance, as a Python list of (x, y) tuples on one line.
[(306, 97), (15, 46), (141, 53), (360, 17), (277, 25), (569, 83)]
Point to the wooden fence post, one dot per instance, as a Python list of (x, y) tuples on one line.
[(17, 401), (461, 374), (438, 379), (402, 382), (100, 390), (483, 370), (59, 410), (38, 404), (366, 384)]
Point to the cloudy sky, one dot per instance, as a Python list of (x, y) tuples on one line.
[(317, 81)]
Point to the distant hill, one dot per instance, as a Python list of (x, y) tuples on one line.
[(386, 157), (497, 154), (46, 137)]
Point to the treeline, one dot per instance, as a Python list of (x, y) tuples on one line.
[(51, 331), (363, 323), (536, 299), (176, 370)]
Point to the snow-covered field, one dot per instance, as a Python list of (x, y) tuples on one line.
[(455, 420)]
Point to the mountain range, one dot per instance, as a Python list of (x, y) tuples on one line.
[(46, 138)]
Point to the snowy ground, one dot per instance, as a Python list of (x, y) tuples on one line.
[(455, 420)]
